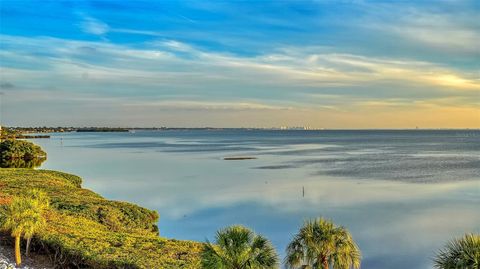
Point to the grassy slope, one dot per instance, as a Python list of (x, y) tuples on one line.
[(87, 229)]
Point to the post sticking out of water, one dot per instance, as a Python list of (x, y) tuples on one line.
[(303, 191)]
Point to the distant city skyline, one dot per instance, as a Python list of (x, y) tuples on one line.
[(321, 64)]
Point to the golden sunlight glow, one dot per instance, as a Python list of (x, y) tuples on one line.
[(455, 81)]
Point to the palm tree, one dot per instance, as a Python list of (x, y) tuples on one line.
[(460, 253), (23, 217), (41, 204), (237, 247), (321, 244)]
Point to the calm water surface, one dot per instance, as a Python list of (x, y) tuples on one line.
[(402, 194)]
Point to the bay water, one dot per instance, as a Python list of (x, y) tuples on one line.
[(401, 193)]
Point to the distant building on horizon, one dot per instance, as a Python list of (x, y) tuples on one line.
[(304, 128)]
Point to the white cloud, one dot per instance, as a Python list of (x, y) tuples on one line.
[(93, 26), (304, 67)]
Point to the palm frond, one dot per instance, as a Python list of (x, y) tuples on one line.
[(460, 253), (319, 240), (240, 248)]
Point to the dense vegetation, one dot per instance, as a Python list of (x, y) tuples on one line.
[(20, 154), (85, 230), (460, 253), (15, 131), (237, 247), (8, 132), (321, 244), (23, 217)]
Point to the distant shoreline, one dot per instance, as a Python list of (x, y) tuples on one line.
[(23, 136), (22, 132)]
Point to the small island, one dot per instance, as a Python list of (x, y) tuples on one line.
[(239, 158)]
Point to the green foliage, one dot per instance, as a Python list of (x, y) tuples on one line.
[(320, 244), (460, 253), (75, 180), (8, 132), (23, 217), (92, 232), (21, 163), (20, 154), (239, 248)]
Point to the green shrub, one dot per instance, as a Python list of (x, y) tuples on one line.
[(20, 154)]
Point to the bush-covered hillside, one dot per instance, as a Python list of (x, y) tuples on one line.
[(86, 230)]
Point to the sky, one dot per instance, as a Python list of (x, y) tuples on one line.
[(324, 64)]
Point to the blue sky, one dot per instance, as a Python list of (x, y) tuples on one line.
[(326, 64)]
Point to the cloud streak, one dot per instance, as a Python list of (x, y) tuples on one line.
[(93, 26)]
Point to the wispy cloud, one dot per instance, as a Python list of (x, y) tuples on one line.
[(93, 26), (205, 105), (438, 32), (448, 28), (294, 66)]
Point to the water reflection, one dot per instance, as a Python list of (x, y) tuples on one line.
[(21, 163)]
